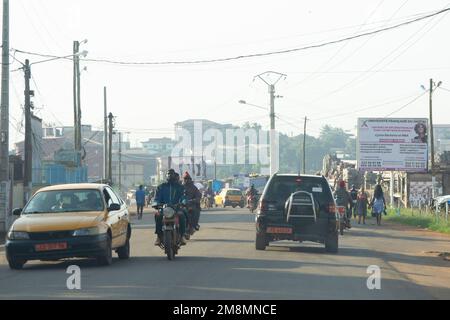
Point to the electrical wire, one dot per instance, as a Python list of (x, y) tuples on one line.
[(254, 55), (405, 105)]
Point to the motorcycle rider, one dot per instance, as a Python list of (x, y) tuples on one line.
[(170, 192), (251, 194), (354, 196), (193, 197), (344, 199)]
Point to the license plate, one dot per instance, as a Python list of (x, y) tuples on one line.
[(279, 230), (51, 246)]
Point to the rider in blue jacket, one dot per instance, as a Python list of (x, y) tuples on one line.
[(170, 192)]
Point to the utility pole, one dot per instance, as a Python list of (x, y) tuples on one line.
[(76, 46), (110, 117), (431, 128), (274, 155), (77, 59), (27, 178), (105, 136), (120, 162), (433, 171), (5, 203), (304, 146), (4, 103)]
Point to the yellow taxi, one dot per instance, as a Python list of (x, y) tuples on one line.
[(70, 220), (229, 197)]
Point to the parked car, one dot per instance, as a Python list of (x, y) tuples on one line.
[(230, 197), (298, 208), (70, 220)]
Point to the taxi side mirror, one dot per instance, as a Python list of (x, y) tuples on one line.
[(17, 211), (114, 207)]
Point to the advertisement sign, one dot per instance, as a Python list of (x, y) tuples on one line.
[(392, 144)]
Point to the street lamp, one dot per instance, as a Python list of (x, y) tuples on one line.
[(253, 105)]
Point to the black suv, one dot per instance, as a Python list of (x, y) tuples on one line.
[(299, 208)]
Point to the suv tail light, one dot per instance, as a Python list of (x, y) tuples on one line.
[(331, 208), (265, 206)]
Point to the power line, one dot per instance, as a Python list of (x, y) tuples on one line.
[(254, 55), (404, 106), (365, 77)]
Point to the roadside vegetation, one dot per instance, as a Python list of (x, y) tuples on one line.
[(420, 219)]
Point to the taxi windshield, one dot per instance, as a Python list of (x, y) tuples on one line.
[(56, 201)]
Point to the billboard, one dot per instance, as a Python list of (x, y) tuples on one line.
[(391, 144)]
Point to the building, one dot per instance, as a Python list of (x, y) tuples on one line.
[(159, 146)]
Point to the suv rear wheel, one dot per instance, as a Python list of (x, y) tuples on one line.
[(16, 264), (261, 241), (332, 243)]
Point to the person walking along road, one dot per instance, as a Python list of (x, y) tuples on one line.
[(378, 203), (361, 205), (140, 201)]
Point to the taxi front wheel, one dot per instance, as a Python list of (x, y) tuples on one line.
[(106, 258)]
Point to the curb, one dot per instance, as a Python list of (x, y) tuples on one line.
[(2, 247)]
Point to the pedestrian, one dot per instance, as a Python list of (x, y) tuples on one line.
[(354, 196), (378, 203), (361, 205), (140, 201)]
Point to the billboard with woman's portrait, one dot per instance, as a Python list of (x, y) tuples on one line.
[(392, 144)]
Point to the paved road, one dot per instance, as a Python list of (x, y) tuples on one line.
[(220, 262)]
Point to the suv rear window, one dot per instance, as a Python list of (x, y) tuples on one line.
[(281, 187), (234, 193)]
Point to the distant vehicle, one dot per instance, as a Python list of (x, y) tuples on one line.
[(439, 202), (131, 198), (229, 197), (70, 220), (299, 208)]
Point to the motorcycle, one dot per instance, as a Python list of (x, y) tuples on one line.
[(206, 202), (252, 203), (171, 231), (343, 219)]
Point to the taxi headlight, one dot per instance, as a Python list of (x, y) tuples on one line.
[(86, 232), (168, 213), (18, 235)]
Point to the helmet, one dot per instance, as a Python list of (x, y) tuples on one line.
[(187, 176)]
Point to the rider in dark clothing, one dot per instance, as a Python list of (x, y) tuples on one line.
[(171, 193), (251, 192), (344, 199), (193, 197)]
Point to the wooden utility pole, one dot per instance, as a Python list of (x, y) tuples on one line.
[(110, 118)]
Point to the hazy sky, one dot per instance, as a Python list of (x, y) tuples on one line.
[(378, 73)]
